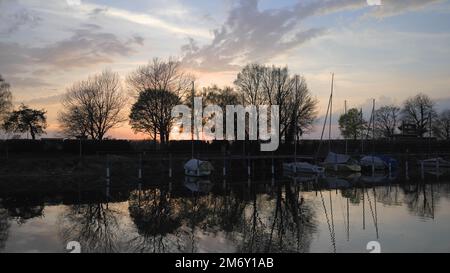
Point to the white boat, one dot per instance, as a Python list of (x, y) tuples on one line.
[(198, 168), (341, 163), (303, 167)]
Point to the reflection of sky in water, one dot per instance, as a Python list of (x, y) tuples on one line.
[(418, 221)]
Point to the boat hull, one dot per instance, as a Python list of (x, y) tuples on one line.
[(343, 167)]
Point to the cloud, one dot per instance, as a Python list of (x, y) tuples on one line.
[(13, 19), (87, 46), (252, 35), (394, 7)]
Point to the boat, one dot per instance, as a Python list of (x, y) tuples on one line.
[(197, 184), (435, 166), (380, 162), (198, 168), (341, 163), (436, 162), (303, 168)]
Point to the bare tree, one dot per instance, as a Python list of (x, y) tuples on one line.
[(441, 126), (386, 120), (220, 96), (273, 85), (249, 84), (417, 111), (161, 75), (5, 97), (94, 106), (301, 109)]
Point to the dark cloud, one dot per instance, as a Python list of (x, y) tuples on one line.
[(252, 35), (88, 46)]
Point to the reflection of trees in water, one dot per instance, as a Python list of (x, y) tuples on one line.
[(253, 223), (22, 209), (156, 217), (4, 227), (94, 226), (284, 224), (421, 198), (390, 195), (24, 213)]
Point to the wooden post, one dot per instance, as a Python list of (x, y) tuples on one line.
[(390, 169), (273, 166), (422, 170), (224, 165), (140, 167), (170, 165), (108, 172), (248, 167), (407, 170)]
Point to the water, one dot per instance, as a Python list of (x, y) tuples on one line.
[(330, 215)]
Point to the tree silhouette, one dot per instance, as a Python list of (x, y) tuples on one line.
[(26, 120)]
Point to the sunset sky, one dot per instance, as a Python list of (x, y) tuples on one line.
[(386, 52)]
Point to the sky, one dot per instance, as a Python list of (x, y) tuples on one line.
[(386, 52)]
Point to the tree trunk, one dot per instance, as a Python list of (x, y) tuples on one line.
[(33, 136)]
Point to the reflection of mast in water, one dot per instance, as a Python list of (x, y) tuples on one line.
[(330, 227), (374, 215), (364, 208), (348, 220)]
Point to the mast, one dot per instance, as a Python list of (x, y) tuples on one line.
[(192, 118), (346, 140), (331, 112), (362, 131), (295, 120), (324, 126)]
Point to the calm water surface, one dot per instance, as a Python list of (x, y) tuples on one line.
[(335, 215)]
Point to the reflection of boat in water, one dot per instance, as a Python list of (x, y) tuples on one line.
[(379, 162), (435, 166), (339, 182), (378, 178), (303, 178), (198, 185), (302, 168), (341, 163), (198, 168)]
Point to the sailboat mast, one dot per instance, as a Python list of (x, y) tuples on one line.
[(331, 112), (346, 141), (295, 119), (373, 127), (192, 118)]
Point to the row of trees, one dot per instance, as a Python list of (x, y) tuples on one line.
[(93, 107), (416, 118)]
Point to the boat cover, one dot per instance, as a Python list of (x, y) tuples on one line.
[(194, 164), (333, 158)]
